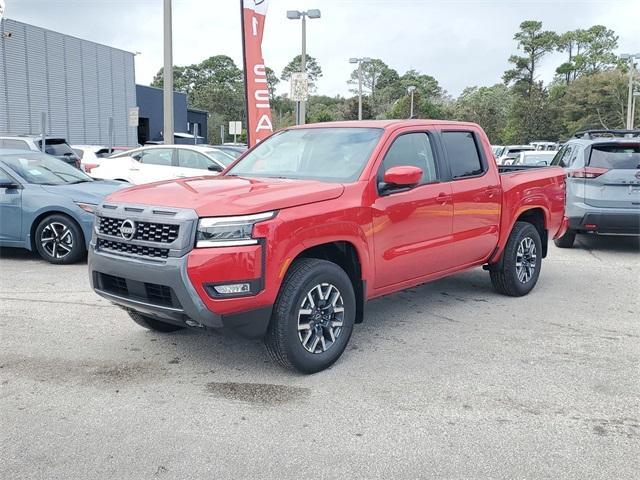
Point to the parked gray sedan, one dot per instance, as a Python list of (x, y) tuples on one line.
[(47, 205)]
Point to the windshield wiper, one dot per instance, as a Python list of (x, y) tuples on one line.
[(78, 181)]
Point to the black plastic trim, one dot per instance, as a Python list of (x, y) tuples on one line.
[(250, 324)]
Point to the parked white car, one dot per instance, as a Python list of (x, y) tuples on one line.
[(162, 162), (533, 158), (91, 156), (511, 151)]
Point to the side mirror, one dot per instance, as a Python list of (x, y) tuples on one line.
[(214, 167), (400, 178)]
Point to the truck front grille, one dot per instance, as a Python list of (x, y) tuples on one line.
[(147, 231), (150, 293), (132, 249)]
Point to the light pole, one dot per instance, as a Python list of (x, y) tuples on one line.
[(167, 130), (297, 15), (410, 90), (630, 57), (359, 61)]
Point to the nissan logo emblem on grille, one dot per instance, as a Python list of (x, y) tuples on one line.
[(127, 229)]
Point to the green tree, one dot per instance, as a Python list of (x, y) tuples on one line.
[(272, 82), (598, 54), (372, 71), (313, 69), (535, 43), (488, 107)]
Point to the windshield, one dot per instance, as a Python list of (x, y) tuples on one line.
[(332, 154), (616, 156), (55, 147), (43, 169), (222, 157), (537, 159)]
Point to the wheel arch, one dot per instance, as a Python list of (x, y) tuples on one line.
[(346, 255)]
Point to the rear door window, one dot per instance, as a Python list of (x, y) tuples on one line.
[(562, 158), (156, 156), (615, 156), (463, 154)]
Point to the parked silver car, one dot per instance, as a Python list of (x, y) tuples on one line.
[(603, 183)]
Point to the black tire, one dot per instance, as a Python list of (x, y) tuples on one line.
[(67, 244), (566, 240), (509, 279), (153, 324), (283, 340)]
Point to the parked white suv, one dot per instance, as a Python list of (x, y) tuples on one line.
[(162, 162)]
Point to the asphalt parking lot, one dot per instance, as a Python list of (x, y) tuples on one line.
[(448, 380)]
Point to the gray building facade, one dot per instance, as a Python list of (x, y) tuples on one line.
[(79, 85)]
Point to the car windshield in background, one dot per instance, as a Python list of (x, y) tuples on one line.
[(42, 169), (223, 157), (333, 154), (615, 156)]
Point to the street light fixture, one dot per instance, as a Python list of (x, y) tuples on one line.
[(359, 61), (630, 57), (297, 15), (411, 89)]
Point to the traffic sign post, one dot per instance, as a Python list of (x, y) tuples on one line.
[(235, 128)]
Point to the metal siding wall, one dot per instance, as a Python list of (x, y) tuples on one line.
[(16, 88), (58, 124), (74, 95), (4, 106), (93, 134), (79, 84), (119, 100), (105, 90), (37, 79)]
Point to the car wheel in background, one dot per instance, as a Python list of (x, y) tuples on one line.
[(59, 240), (153, 324), (313, 316), (566, 240), (522, 259)]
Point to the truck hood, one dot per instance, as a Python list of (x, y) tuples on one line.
[(221, 196)]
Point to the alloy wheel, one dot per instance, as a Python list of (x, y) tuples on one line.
[(320, 318), (57, 239), (526, 257)]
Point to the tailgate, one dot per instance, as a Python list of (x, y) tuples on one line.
[(612, 178)]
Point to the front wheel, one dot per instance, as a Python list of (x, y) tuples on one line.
[(59, 239), (313, 316), (522, 259)]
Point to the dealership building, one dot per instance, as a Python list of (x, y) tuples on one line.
[(86, 90)]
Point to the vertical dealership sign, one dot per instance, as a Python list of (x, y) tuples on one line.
[(259, 124)]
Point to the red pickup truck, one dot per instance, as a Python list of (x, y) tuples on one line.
[(292, 240)]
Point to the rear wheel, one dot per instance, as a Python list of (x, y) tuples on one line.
[(59, 239), (153, 324), (313, 316), (522, 259), (566, 240)]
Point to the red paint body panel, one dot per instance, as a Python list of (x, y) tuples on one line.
[(401, 240)]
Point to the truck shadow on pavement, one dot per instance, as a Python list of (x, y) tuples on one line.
[(611, 243)]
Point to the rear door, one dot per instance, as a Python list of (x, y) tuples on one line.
[(192, 163), (477, 196), (612, 176)]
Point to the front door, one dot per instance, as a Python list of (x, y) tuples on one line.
[(412, 229), (10, 210)]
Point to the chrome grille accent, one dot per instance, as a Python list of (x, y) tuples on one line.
[(132, 249), (146, 231)]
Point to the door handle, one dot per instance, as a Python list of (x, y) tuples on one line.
[(443, 198), (491, 191), (134, 169)]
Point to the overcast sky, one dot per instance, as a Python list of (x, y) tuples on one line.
[(459, 42)]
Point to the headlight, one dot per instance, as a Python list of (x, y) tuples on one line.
[(229, 231), (87, 207)]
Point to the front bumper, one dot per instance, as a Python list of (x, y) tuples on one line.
[(126, 281)]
